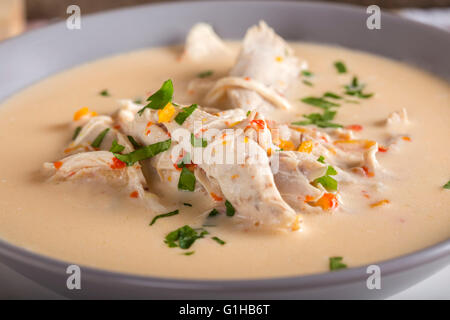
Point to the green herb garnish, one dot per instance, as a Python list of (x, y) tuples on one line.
[(248, 113), (321, 159), (165, 215), (187, 180), (340, 67), (307, 73), (336, 263), (184, 114), (447, 185), (329, 94), (76, 132), (116, 148), (135, 144), (356, 89), (205, 74), (319, 102), (320, 120), (198, 142), (230, 209), (187, 204), (183, 237), (190, 253), (138, 101), (160, 98), (213, 213), (308, 83), (98, 141), (144, 152), (104, 93), (218, 240), (327, 181)]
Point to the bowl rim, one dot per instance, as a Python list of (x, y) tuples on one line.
[(308, 281)]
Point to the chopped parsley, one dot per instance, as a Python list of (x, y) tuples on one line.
[(336, 263), (321, 159), (76, 133), (218, 240), (320, 120), (187, 204), (329, 94), (356, 89), (165, 215), (184, 114), (205, 74), (340, 67), (190, 253), (319, 102), (104, 93), (447, 185), (116, 147), (98, 141), (327, 181), (187, 179), (308, 83), (213, 213), (307, 73), (135, 144), (198, 142), (138, 101), (144, 152), (160, 98), (248, 113), (183, 237), (230, 209)]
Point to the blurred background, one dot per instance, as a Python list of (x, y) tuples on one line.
[(17, 16)]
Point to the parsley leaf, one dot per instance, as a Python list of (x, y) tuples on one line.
[(319, 102), (135, 144), (308, 83), (104, 93), (340, 67), (187, 180), (321, 159), (98, 141), (160, 98), (329, 94), (320, 120), (230, 209), (165, 215), (144, 152), (198, 142), (76, 133), (185, 236), (307, 73), (213, 213), (336, 263), (184, 114), (205, 74), (327, 181), (218, 240), (116, 148), (447, 185), (356, 89)]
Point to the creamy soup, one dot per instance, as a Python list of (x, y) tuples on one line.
[(361, 185)]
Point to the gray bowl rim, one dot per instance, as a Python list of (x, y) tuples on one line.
[(309, 281)]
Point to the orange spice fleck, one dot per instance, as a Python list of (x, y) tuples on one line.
[(247, 78), (382, 149), (117, 127), (134, 195), (234, 176), (117, 164), (57, 164), (354, 127), (259, 124), (306, 146), (296, 224), (327, 202), (309, 198), (379, 203), (368, 173), (216, 197), (406, 138), (279, 59)]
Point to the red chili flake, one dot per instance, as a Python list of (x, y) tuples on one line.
[(367, 172), (117, 164), (57, 164), (354, 127), (382, 149), (134, 195), (216, 197), (260, 124), (117, 127), (247, 78)]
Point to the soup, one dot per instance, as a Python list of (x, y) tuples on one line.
[(344, 160)]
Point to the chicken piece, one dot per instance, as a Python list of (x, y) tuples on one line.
[(103, 167), (397, 118), (202, 42), (264, 69), (293, 174), (248, 184)]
